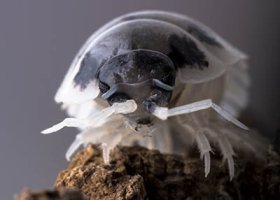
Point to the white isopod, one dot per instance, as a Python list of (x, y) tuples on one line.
[(156, 73)]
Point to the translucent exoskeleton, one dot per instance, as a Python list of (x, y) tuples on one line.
[(162, 75)]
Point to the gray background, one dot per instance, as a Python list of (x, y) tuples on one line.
[(38, 40)]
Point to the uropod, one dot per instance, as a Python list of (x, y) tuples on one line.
[(161, 75)]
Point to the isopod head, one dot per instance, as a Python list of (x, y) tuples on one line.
[(146, 76)]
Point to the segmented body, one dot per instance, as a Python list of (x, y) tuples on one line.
[(206, 67)]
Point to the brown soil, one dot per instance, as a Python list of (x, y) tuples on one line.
[(138, 173)]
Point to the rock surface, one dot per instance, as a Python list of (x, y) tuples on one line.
[(138, 173)]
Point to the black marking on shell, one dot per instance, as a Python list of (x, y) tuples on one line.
[(137, 66), (202, 35), (87, 71), (184, 52), (103, 87), (190, 27)]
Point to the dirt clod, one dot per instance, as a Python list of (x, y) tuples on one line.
[(139, 173)]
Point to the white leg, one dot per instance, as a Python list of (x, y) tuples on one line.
[(73, 148), (84, 138), (203, 146), (108, 136), (205, 149), (226, 149), (106, 153), (228, 154), (96, 119), (163, 112), (67, 122), (81, 139)]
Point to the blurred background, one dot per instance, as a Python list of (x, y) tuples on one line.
[(38, 40)]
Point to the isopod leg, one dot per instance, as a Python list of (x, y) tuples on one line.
[(73, 148), (205, 149), (203, 146), (106, 152), (96, 119), (228, 154), (67, 122), (225, 147), (163, 113)]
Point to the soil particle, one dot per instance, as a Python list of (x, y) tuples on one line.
[(136, 173), (139, 173)]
